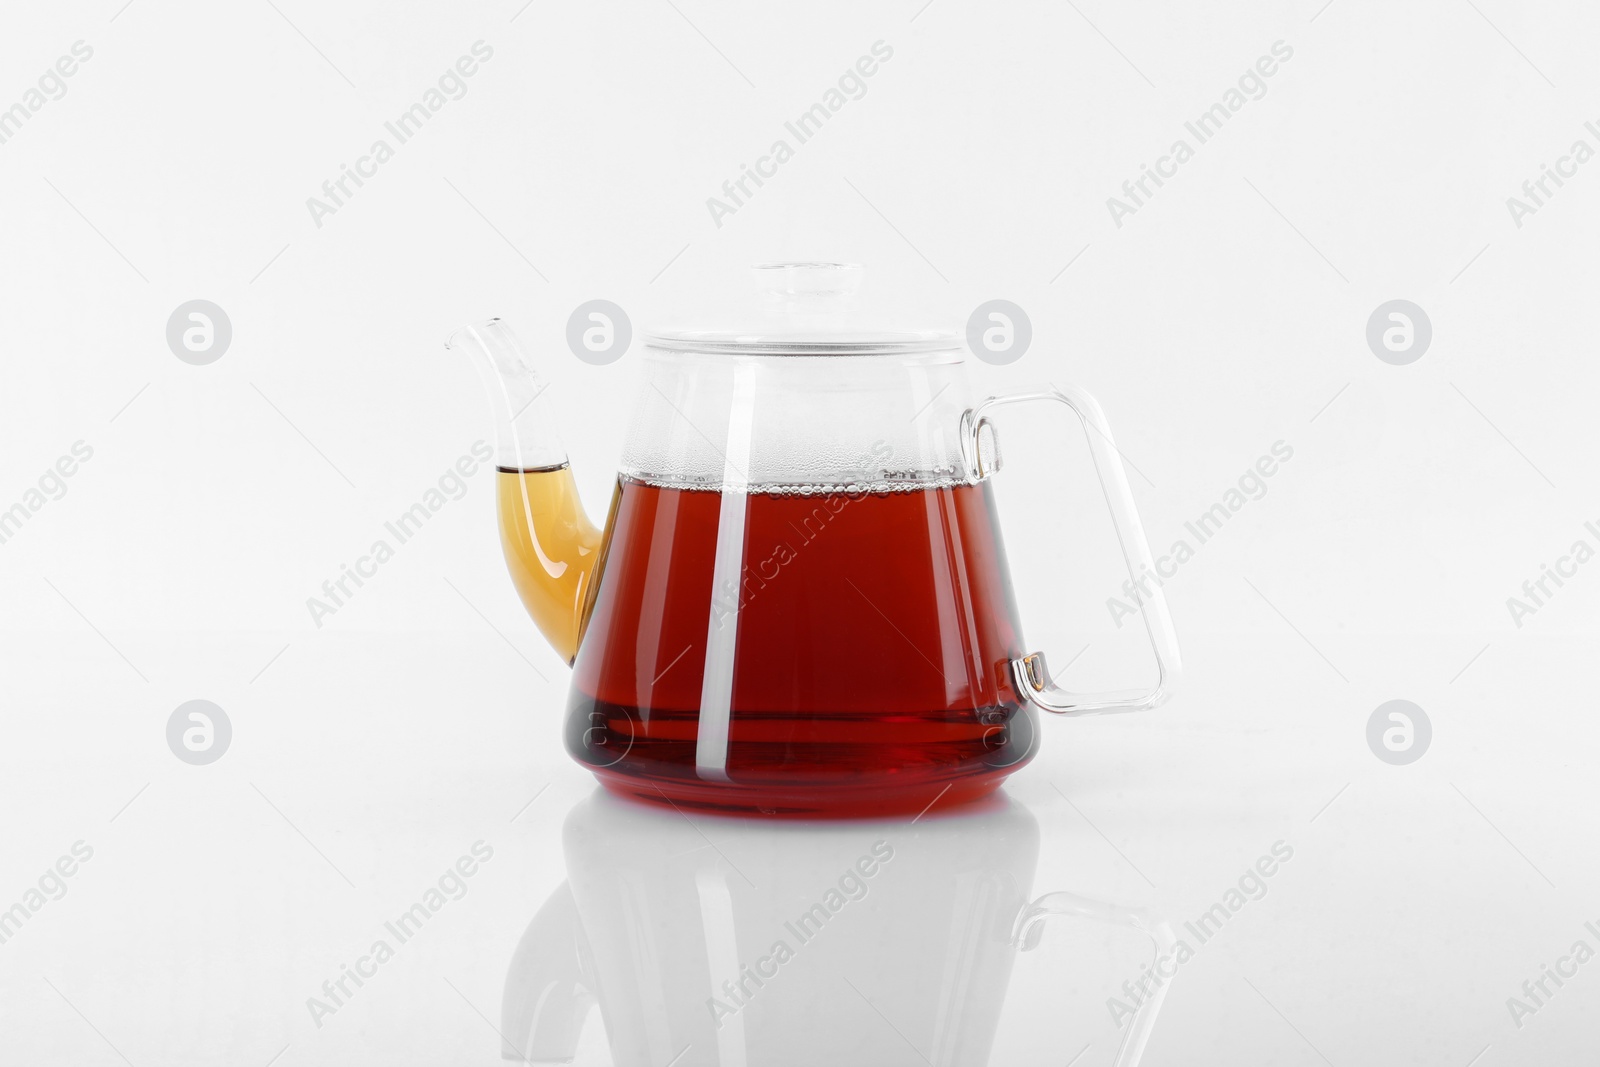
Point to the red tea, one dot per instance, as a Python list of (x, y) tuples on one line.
[(859, 649)]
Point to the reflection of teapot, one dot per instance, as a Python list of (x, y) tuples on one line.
[(739, 943), (800, 600)]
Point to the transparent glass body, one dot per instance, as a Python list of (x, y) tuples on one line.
[(799, 602)]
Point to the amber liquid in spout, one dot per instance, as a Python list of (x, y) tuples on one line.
[(552, 550)]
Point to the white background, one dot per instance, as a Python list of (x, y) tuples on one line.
[(1227, 314)]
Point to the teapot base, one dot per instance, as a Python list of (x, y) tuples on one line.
[(830, 801)]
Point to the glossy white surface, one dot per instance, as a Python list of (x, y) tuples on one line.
[(220, 899), (373, 747)]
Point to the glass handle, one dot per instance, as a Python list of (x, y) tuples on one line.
[(1030, 673)]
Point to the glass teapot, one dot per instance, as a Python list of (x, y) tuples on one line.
[(799, 603)]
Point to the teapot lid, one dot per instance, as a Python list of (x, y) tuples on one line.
[(804, 309)]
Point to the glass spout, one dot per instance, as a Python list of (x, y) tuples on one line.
[(525, 438), (551, 547)]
